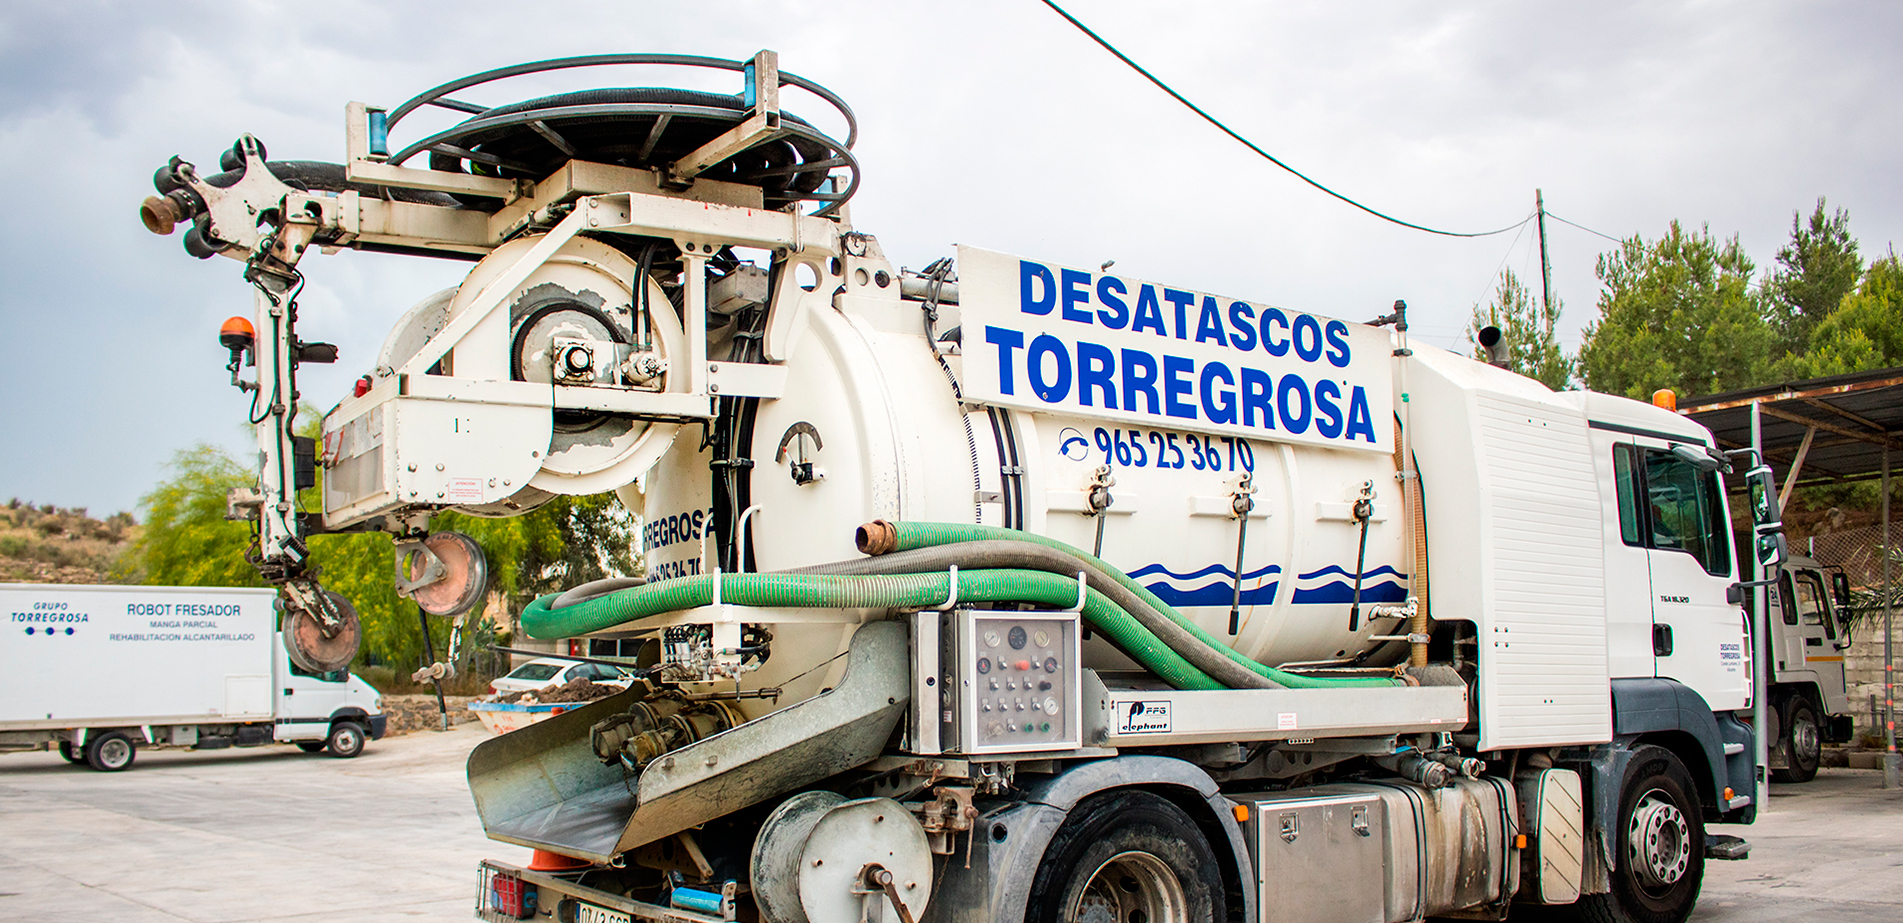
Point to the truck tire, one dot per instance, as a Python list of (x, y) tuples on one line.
[(1127, 855), (110, 752), (69, 754), (1802, 739), (346, 739), (312, 746), (1661, 854)]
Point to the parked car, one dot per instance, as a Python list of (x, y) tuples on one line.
[(554, 671)]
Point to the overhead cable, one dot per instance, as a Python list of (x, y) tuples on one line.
[(1265, 154), (1582, 227)]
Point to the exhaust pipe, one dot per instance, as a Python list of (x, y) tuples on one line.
[(1494, 343)]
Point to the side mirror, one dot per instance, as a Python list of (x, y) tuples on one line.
[(1764, 508), (1772, 550), (1840, 588)]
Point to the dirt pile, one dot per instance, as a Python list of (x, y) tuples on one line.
[(575, 690), (418, 712)]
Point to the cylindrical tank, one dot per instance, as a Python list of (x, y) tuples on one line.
[(869, 427)]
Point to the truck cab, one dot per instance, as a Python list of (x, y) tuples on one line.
[(337, 710), (1805, 664)]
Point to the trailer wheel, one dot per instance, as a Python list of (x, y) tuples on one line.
[(312, 746), (1802, 741), (1661, 857), (346, 739), (110, 752), (69, 754), (1131, 857)]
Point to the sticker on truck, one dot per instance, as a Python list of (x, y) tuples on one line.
[(1142, 717)]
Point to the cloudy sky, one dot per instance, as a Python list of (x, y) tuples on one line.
[(987, 122)]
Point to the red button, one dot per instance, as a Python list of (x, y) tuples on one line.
[(1024, 664)]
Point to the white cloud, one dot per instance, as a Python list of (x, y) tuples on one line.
[(990, 122)]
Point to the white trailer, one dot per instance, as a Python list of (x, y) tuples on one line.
[(1007, 590), (99, 672)]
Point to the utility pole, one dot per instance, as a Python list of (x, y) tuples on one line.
[(1546, 268)]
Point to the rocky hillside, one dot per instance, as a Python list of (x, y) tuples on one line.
[(47, 544)]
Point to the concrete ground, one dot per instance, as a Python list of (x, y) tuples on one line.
[(269, 833), (1829, 849), (275, 834)]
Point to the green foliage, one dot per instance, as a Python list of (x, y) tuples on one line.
[(1676, 313), (187, 541), (1532, 345), (1864, 332), (594, 538), (1820, 266)]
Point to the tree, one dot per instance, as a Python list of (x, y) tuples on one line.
[(594, 539), (1864, 332), (1532, 345), (188, 542), (1820, 266), (1676, 313)]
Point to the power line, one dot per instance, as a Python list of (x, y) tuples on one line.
[(1265, 154), (1582, 227)]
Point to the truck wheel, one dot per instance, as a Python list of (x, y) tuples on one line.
[(109, 752), (1127, 856), (312, 746), (1802, 742), (69, 754), (346, 739), (1661, 857)]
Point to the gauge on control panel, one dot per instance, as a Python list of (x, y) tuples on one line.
[(1050, 705), (984, 664), (1043, 638), (991, 638), (1018, 637)]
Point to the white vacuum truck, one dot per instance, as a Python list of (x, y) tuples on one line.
[(1006, 590), (101, 672)]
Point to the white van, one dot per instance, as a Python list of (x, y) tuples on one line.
[(99, 672)]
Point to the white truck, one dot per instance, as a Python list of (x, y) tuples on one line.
[(101, 672), (1005, 590), (1809, 705)]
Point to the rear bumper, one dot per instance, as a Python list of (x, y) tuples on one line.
[(378, 724)]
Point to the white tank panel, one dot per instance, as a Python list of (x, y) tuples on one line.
[(872, 411)]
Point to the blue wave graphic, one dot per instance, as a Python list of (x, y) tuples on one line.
[(1338, 569), (1218, 569), (1170, 586), (1213, 594), (1339, 592)]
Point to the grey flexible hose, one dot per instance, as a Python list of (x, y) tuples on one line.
[(594, 589), (1000, 554)]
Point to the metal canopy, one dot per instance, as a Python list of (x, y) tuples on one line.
[(1824, 430)]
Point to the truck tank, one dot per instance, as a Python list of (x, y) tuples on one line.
[(871, 426)]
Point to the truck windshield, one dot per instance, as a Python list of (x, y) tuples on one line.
[(1812, 605), (334, 676)]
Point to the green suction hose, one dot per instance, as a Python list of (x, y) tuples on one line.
[(864, 592), (882, 537)]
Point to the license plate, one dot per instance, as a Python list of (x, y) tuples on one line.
[(589, 913)]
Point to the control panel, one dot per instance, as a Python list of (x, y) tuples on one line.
[(1006, 682)]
